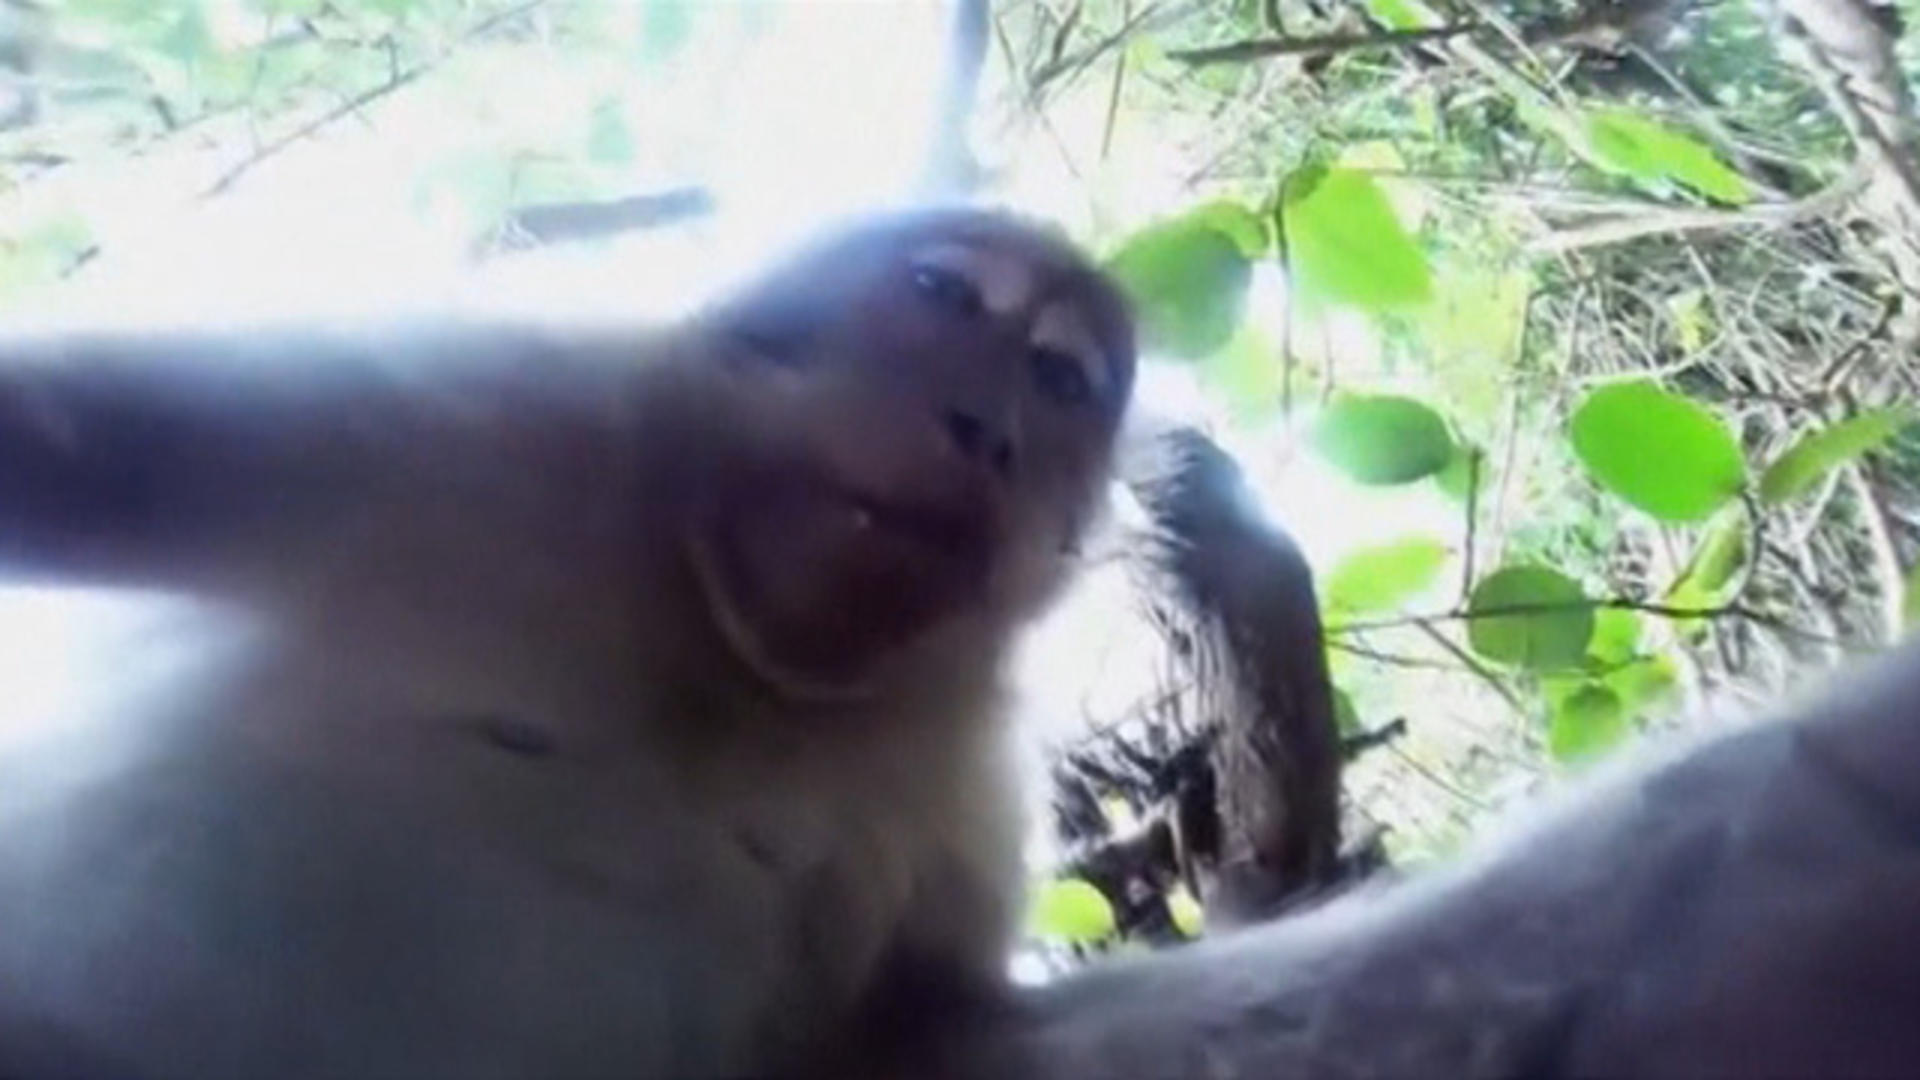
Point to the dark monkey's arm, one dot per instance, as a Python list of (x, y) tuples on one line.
[(1743, 909), (162, 455)]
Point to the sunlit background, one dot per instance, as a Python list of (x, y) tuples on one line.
[(791, 113), (788, 113)]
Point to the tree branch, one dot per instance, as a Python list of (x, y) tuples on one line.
[(1267, 48), (1457, 614), (1616, 230), (397, 81)]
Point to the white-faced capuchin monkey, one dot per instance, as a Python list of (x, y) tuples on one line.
[(555, 703)]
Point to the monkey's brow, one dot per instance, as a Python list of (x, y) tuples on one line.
[(1089, 291)]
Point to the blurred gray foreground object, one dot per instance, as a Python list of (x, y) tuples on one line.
[(181, 898), (1748, 907)]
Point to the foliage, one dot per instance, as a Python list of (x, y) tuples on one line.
[(1071, 911), (1385, 576), (1188, 917), (1657, 450), (1655, 155), (1819, 452), (1588, 721), (1597, 294), (1530, 617), (1188, 277), (1383, 439), (1345, 245)]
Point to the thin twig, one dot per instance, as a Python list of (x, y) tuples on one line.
[(1473, 527), (1723, 611), (1418, 663), (1064, 32), (1113, 92), (397, 81), (1047, 73), (1234, 52), (1775, 215), (1479, 670), (1835, 373), (1439, 781)]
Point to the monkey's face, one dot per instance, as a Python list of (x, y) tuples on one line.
[(927, 408)]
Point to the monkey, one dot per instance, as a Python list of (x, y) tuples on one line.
[(547, 700)]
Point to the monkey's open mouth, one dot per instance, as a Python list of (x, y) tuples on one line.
[(956, 530)]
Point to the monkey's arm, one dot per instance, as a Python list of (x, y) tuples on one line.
[(1743, 909), (143, 455)]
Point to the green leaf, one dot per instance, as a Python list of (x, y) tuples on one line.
[(1657, 450), (1188, 917), (1818, 453), (1247, 228), (1687, 595), (1345, 245), (1381, 160), (1383, 439), (1639, 147), (1346, 719), (1384, 576), (1466, 469), (1616, 634), (1721, 552), (1589, 722), (1645, 682), (1247, 371), (1188, 280), (1480, 316), (1554, 637), (1401, 14), (1072, 910), (1703, 584)]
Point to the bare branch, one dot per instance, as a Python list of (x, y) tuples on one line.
[(397, 81), (1267, 48), (1617, 230)]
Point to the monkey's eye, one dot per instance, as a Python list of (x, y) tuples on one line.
[(949, 290), (1059, 375)]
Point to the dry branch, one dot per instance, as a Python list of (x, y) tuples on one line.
[(1773, 215)]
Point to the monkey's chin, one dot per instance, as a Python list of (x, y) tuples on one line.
[(814, 589)]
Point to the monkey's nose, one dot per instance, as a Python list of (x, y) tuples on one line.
[(980, 441)]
